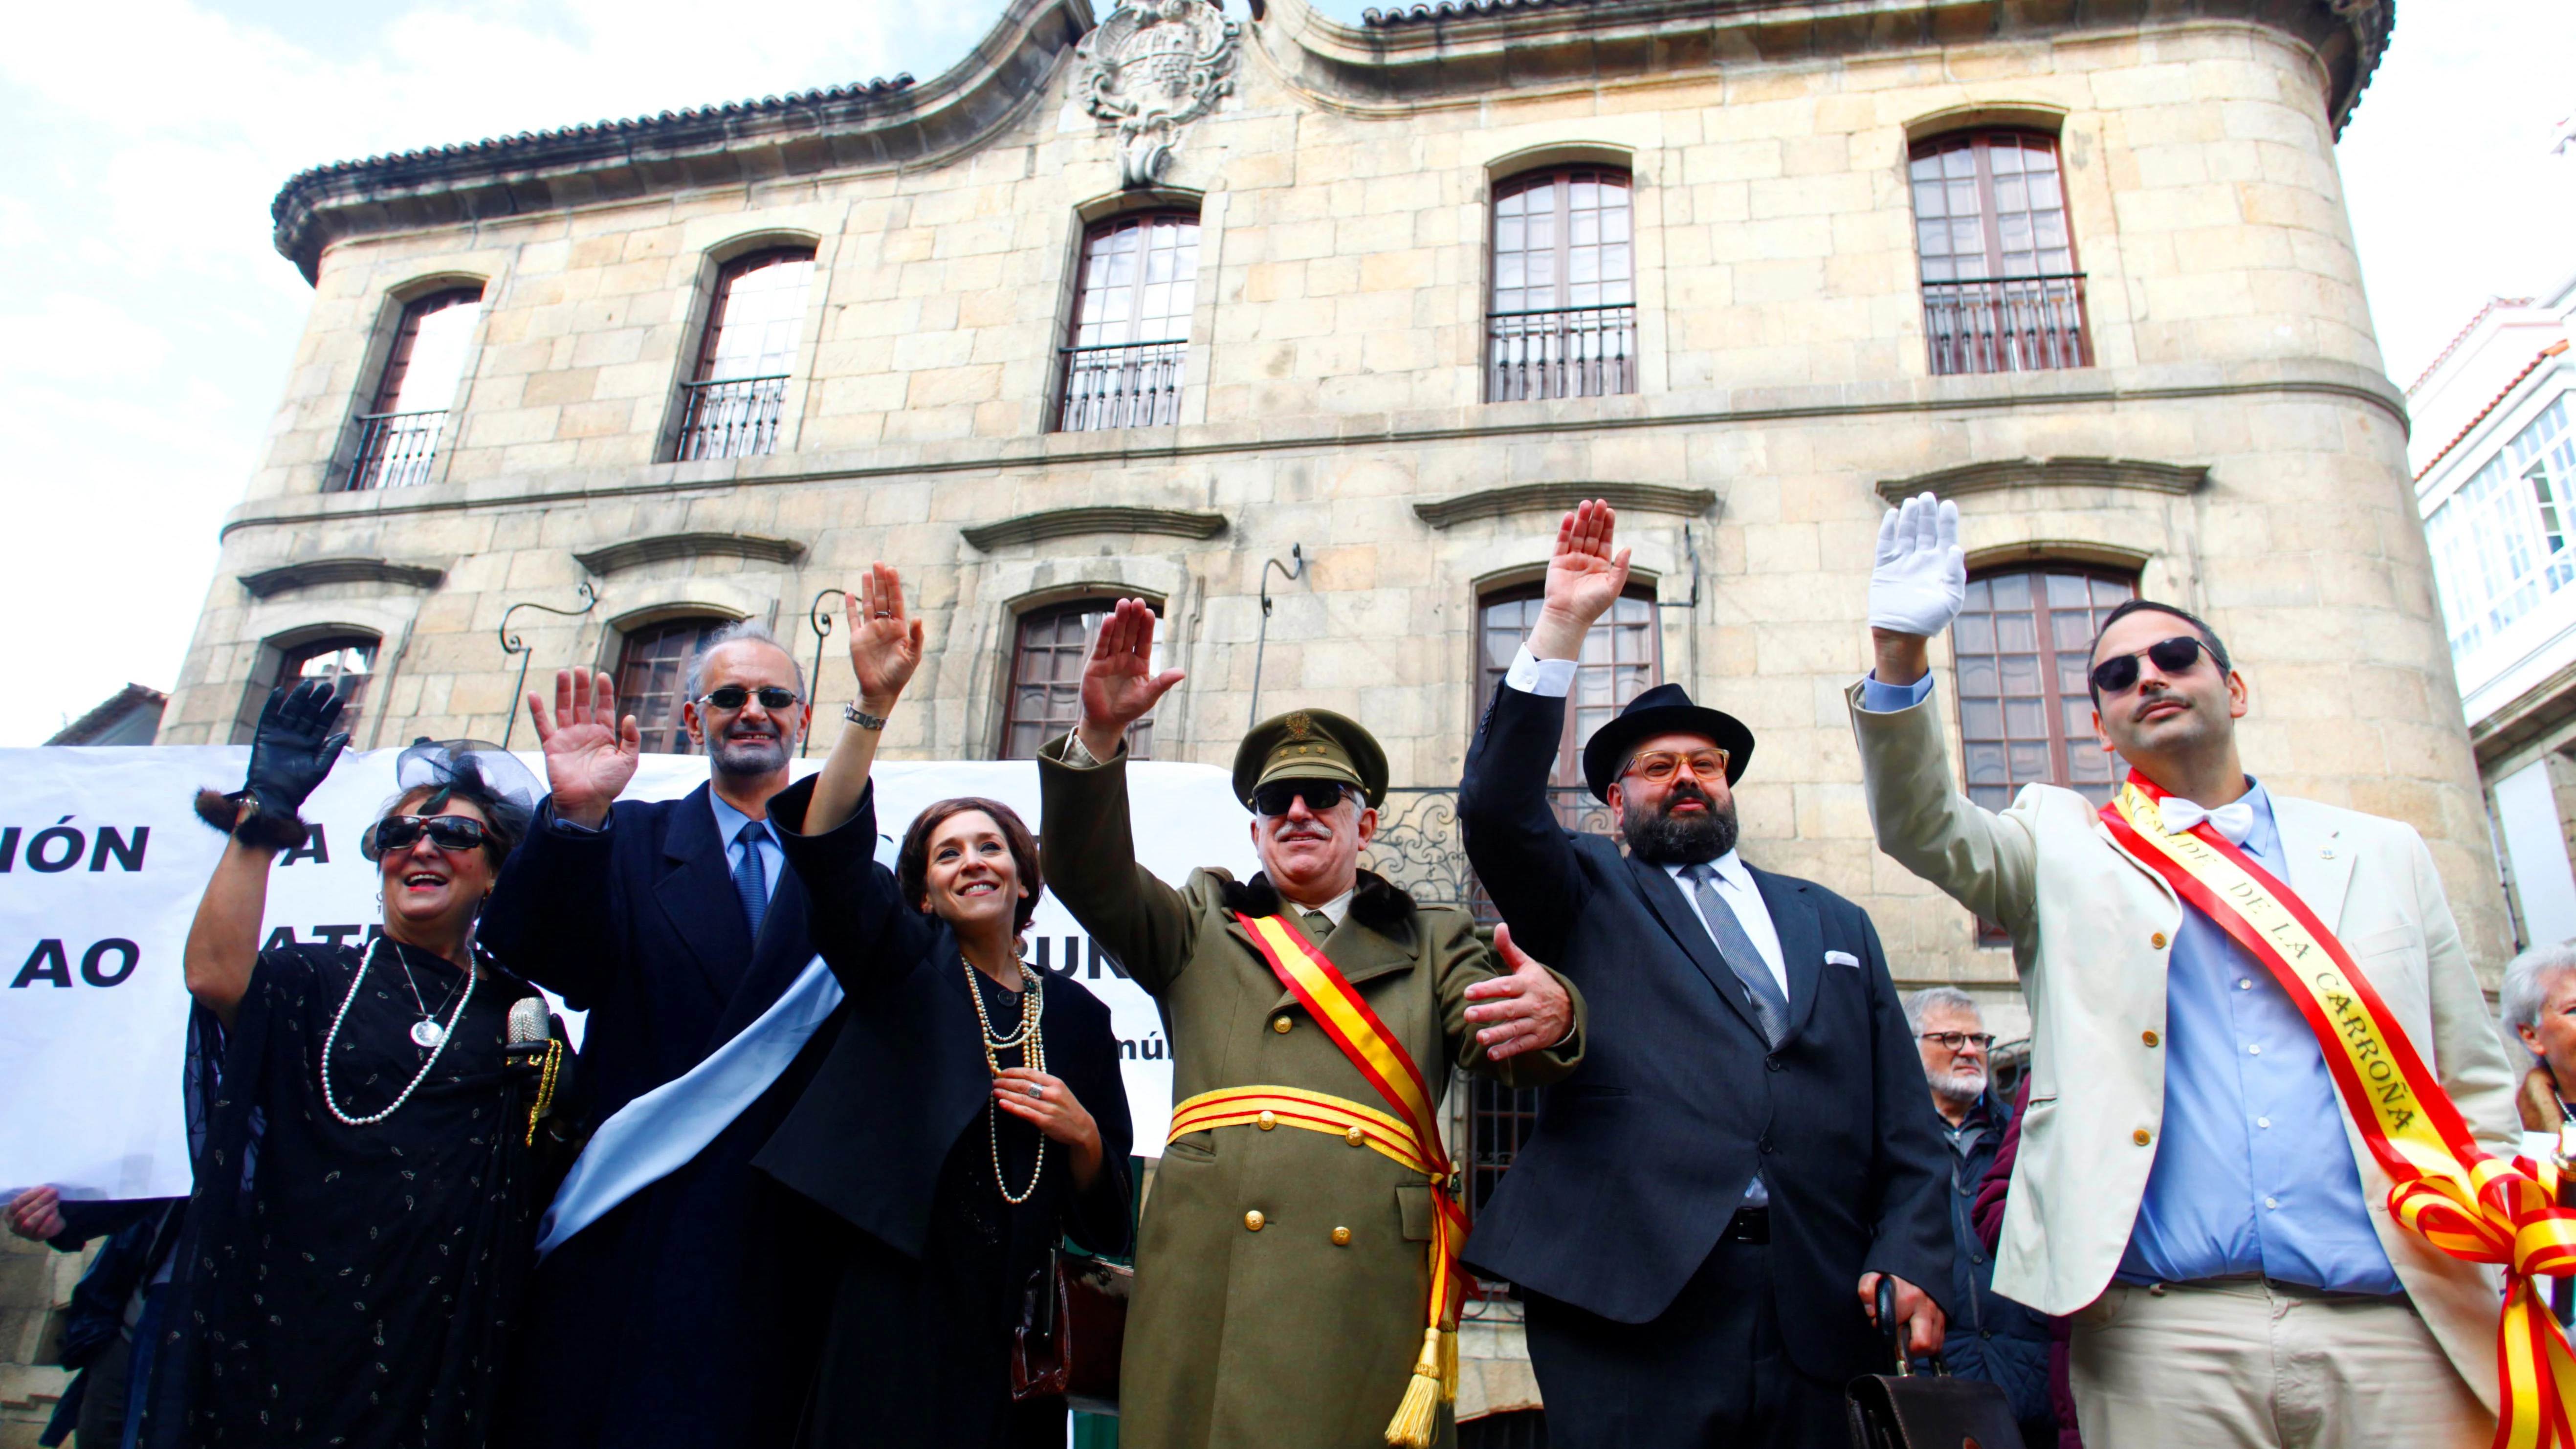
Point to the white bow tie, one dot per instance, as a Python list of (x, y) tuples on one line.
[(2234, 821)]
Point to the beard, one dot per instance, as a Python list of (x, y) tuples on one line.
[(1657, 837), (751, 755), (1961, 1084)]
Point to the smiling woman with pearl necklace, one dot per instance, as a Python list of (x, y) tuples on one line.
[(366, 1192), (970, 1114)]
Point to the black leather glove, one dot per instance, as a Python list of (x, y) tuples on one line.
[(294, 746)]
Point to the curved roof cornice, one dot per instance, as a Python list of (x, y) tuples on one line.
[(876, 124), (1473, 49)]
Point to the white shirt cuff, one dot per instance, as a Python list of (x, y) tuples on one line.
[(1879, 698), (1546, 678)]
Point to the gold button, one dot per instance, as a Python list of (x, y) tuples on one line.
[(2150, 1038), (1341, 1237), (2141, 1137), (2157, 940), (1280, 1024), (1265, 1121), (1357, 1137), (1253, 1220)]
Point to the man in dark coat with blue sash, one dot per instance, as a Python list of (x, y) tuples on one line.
[(1710, 1201), (683, 1306)]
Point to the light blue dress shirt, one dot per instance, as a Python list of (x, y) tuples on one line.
[(2253, 1173), (729, 824)]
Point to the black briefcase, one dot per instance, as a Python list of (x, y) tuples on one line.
[(1907, 1410)]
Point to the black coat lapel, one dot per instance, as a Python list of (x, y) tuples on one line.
[(1681, 920), (695, 890), (1802, 940), (781, 955)]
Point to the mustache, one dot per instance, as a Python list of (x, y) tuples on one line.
[(1687, 790)]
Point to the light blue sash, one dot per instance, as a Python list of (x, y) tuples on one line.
[(652, 1136)]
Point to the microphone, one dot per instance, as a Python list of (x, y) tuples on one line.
[(531, 1026)]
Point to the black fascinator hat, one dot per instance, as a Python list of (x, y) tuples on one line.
[(475, 770)]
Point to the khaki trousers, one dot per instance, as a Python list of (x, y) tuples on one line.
[(2240, 1362)]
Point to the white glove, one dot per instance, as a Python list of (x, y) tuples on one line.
[(1921, 580)]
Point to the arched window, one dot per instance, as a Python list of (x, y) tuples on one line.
[(1621, 660), (652, 672), (344, 661), (732, 401), (1563, 319), (1129, 333), (2025, 712), (398, 434), (2001, 292), (1044, 698)]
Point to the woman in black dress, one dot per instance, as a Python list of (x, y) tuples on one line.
[(364, 1203), (971, 1112)]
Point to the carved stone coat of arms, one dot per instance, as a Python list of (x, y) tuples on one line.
[(1149, 70)]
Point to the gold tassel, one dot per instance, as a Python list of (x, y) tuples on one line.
[(1449, 1366), (1416, 1419), (545, 1089)]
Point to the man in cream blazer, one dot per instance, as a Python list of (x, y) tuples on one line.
[(2234, 1278)]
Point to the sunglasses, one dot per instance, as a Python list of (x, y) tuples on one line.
[(1953, 1040), (402, 832), (2173, 656), (1275, 798), (734, 696), (1662, 765)]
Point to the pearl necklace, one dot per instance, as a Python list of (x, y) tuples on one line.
[(1034, 1059), (446, 1034)]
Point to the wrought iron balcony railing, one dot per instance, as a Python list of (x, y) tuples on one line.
[(1418, 845), (1566, 352), (396, 449), (1128, 385), (736, 417), (2012, 324)]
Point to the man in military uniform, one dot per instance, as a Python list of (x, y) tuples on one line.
[(1285, 1281)]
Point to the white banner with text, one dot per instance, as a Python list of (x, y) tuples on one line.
[(102, 862)]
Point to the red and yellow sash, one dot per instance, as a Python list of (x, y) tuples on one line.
[(1409, 1135), (2468, 1204)]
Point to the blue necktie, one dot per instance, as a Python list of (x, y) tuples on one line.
[(751, 874), (1770, 1005)]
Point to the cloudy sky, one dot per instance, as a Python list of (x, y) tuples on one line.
[(152, 327)]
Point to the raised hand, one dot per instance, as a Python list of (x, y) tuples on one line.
[(1921, 578), (1584, 578), (1529, 1010), (1119, 686), (590, 754), (294, 746), (885, 642)]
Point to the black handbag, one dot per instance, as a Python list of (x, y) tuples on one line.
[(1907, 1410)]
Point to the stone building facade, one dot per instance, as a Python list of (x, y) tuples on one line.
[(703, 366), (1306, 333)]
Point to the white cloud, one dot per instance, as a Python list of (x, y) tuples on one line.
[(144, 362)]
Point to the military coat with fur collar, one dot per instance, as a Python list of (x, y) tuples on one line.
[(1278, 1338)]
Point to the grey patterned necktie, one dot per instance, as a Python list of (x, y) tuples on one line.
[(1770, 1007), (1320, 924)]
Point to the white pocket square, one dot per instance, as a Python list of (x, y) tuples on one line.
[(1841, 958)]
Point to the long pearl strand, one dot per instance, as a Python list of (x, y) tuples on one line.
[(1034, 1059), (445, 1036)]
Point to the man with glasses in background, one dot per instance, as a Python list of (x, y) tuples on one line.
[(1703, 1219), (2193, 1186), (1991, 1337), (682, 1297), (1296, 1275)]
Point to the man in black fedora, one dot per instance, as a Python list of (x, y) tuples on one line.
[(1701, 1220)]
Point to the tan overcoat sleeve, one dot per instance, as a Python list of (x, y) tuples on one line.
[(1984, 861)]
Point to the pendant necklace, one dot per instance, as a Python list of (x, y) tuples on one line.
[(435, 1051), (426, 1031), (1032, 1002)]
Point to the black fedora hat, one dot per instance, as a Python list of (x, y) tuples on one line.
[(1665, 709)]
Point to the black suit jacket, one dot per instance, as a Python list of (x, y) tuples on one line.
[(907, 1077), (690, 1314), (1641, 1157)]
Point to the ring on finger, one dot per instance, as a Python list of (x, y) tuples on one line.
[(1037, 1091)]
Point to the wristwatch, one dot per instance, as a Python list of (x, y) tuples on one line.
[(862, 718)]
